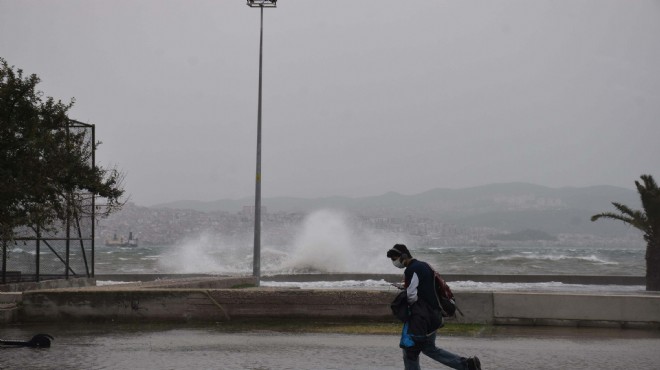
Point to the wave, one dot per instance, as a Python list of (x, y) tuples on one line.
[(344, 284), (458, 286), (554, 258)]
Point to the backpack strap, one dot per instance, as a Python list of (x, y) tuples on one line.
[(435, 288), (435, 291)]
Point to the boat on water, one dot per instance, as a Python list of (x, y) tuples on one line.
[(121, 242)]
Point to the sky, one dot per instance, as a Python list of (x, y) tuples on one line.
[(359, 97)]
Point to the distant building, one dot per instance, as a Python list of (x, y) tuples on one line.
[(248, 211)]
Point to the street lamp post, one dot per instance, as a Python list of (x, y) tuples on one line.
[(256, 264)]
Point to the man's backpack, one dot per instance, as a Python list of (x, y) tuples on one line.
[(445, 296)]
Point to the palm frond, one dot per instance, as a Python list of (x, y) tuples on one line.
[(648, 221), (650, 196), (625, 209), (635, 220), (614, 216), (649, 182)]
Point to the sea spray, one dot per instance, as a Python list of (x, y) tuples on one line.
[(206, 254), (324, 244), (334, 241), (326, 241), (331, 241)]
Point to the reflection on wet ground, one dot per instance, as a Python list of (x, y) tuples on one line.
[(210, 347)]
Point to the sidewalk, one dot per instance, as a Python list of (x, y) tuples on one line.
[(112, 347)]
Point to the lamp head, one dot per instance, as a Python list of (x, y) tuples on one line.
[(262, 3)]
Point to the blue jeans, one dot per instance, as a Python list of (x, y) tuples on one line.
[(427, 347)]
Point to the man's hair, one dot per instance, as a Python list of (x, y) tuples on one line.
[(398, 250)]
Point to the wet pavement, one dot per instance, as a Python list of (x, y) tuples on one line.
[(146, 347)]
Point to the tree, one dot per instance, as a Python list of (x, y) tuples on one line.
[(648, 221), (45, 165)]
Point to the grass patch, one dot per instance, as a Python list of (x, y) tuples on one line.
[(243, 286), (337, 327), (285, 325)]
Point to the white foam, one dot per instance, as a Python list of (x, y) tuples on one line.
[(458, 286), (545, 286), (553, 257), (327, 241), (204, 254), (344, 284), (110, 282), (331, 241)]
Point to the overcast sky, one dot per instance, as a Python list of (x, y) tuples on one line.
[(360, 97)]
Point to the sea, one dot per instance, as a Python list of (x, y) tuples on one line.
[(205, 256)]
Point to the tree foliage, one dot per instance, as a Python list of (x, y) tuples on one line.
[(46, 166), (647, 221)]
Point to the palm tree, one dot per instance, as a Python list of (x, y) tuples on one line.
[(648, 221)]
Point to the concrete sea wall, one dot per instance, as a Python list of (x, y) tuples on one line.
[(640, 311), (213, 299), (201, 305)]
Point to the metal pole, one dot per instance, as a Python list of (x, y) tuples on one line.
[(38, 262), (256, 267), (93, 220), (68, 215), (4, 261), (68, 235)]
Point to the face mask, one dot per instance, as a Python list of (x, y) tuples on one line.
[(398, 263)]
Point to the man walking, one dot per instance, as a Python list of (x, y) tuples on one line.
[(424, 314)]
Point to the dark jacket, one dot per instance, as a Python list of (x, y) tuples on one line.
[(424, 319), (399, 307), (420, 320), (420, 282), (418, 304)]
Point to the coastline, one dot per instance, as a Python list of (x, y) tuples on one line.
[(233, 298)]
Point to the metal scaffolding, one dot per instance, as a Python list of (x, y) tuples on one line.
[(65, 251)]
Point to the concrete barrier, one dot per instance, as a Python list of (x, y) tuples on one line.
[(476, 307), (9, 306), (225, 304), (202, 305), (210, 298), (576, 309), (48, 284), (10, 298)]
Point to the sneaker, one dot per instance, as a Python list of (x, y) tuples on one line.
[(474, 363)]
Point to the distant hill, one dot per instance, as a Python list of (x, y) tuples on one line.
[(511, 206), (453, 203), (524, 235)]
